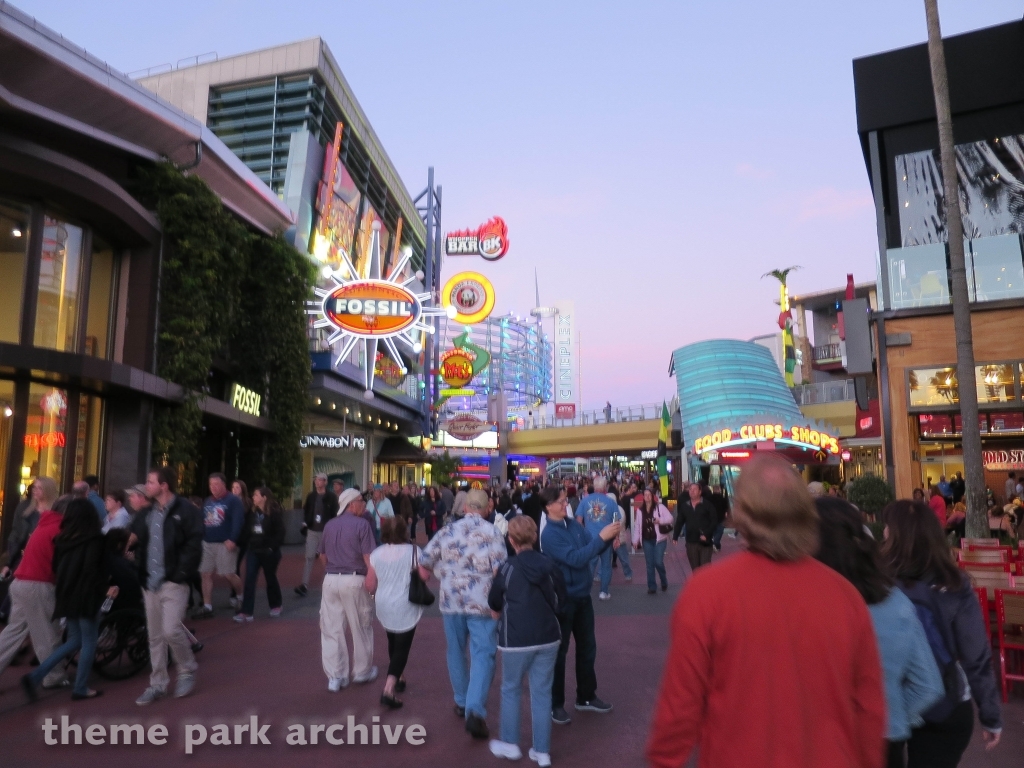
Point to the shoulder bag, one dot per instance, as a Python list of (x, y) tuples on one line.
[(419, 592)]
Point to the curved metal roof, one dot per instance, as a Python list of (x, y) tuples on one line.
[(728, 380)]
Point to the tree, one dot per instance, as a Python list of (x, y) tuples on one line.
[(444, 469), (977, 518)]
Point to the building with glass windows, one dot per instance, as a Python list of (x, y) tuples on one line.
[(289, 114), (80, 263), (916, 354)]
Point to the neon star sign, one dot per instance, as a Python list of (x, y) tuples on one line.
[(372, 311)]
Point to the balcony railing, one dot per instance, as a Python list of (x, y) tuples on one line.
[(827, 353), (825, 392), (606, 415)]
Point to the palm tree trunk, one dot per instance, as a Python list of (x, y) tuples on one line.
[(974, 472)]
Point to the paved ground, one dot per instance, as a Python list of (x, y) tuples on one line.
[(271, 669)]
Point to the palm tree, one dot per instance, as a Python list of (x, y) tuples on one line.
[(974, 472)]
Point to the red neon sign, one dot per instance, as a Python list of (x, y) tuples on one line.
[(45, 440), (489, 240), (734, 454)]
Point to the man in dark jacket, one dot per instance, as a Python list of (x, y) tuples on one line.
[(169, 545), (526, 597), (700, 519), (573, 547), (320, 507)]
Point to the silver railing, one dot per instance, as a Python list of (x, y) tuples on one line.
[(606, 415), (825, 392)]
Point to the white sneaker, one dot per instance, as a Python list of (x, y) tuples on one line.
[(604, 596), (335, 684), (369, 677), (505, 750), (543, 759), (235, 602)]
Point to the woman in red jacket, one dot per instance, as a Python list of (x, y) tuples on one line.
[(773, 660)]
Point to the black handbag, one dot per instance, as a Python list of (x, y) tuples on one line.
[(419, 592)]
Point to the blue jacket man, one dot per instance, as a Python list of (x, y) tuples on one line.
[(573, 547), (595, 511)]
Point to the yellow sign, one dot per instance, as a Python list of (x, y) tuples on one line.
[(457, 392), (468, 297), (245, 400), (456, 367), (805, 437)]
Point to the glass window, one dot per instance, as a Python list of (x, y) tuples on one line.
[(998, 271), (995, 383), (101, 294), (6, 423), (918, 276), (939, 386), (1006, 421), (14, 237), (935, 424), (59, 274), (89, 441), (45, 434), (958, 423)]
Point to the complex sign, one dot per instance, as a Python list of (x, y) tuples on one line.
[(802, 437), (466, 426), (456, 367), (337, 442), (245, 400), (490, 241), (470, 296), (565, 361)]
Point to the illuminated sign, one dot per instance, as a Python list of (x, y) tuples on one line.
[(468, 297), (565, 361), (846, 455), (375, 308), (466, 426), (490, 240), (1003, 461), (802, 437), (390, 371), (565, 410), (45, 440), (734, 454), (245, 400), (461, 392), (650, 454), (456, 367), (337, 442)]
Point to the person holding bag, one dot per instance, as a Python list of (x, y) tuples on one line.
[(262, 534), (389, 579), (651, 529)]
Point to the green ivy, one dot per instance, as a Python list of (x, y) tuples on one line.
[(230, 294)]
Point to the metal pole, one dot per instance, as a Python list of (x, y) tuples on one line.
[(428, 348)]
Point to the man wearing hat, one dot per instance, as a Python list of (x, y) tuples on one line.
[(347, 542), (321, 506)]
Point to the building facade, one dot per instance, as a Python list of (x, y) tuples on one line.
[(915, 343), (80, 258), (289, 114)]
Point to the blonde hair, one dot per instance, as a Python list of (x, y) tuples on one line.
[(48, 490), (774, 511), (522, 531)]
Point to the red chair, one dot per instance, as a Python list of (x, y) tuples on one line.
[(1012, 567), (1010, 614), (985, 612), (969, 543), (986, 555)]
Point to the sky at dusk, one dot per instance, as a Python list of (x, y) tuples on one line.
[(652, 160)]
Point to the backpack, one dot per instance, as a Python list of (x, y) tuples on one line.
[(938, 632)]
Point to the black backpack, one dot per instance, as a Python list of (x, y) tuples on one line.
[(939, 632)]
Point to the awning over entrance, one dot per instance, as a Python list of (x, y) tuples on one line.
[(398, 450)]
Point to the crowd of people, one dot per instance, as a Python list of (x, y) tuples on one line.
[(860, 652)]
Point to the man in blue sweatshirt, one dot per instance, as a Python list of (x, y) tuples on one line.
[(223, 515), (596, 511), (573, 547)]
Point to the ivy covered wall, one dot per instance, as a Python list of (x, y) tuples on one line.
[(235, 296)]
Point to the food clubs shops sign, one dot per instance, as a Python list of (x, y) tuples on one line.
[(808, 438)]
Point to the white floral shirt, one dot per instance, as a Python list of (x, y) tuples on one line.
[(465, 555)]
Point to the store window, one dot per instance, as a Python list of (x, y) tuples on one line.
[(6, 424), (45, 434), (101, 299), (996, 270), (995, 383), (1006, 422), (89, 440), (14, 238), (918, 276), (59, 277)]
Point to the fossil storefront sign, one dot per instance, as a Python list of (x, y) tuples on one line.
[(372, 308), (336, 442)]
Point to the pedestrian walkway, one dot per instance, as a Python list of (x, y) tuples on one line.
[(271, 668)]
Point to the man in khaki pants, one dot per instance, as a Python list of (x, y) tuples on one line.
[(33, 590), (347, 543), (169, 534)]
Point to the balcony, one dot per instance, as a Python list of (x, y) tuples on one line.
[(825, 391), (830, 355)]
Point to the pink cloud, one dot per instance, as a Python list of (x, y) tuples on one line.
[(832, 203)]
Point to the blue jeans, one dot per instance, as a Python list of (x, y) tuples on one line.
[(471, 686), (623, 553), (603, 564), (82, 634), (539, 666), (654, 554), (716, 539), (267, 560)]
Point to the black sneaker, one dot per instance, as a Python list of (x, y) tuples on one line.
[(664, 587), (476, 726), (301, 590), (594, 705), (560, 717), (460, 711), (204, 613)]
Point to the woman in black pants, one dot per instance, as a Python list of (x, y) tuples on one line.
[(263, 532), (388, 580), (919, 557)]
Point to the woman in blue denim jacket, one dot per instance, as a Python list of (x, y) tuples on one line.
[(912, 679)]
